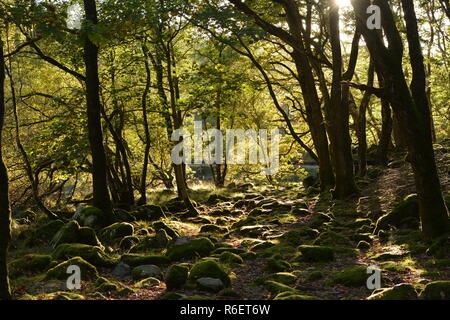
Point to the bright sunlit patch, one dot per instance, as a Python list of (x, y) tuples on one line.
[(343, 3)]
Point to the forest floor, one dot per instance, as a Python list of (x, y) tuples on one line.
[(280, 242)]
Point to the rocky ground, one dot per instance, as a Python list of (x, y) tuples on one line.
[(248, 242)]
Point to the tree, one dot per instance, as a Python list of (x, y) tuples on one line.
[(5, 212), (101, 198), (410, 105)]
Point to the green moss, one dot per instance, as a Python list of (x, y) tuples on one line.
[(293, 296), (176, 276), (92, 217), (355, 276), (117, 231), (30, 263), (211, 269), (67, 234), (134, 260), (275, 287), (230, 258), (314, 276), (228, 292), (402, 291), (88, 271), (62, 295), (330, 238), (128, 241), (171, 296), (148, 283), (401, 215), (437, 290), (92, 254), (275, 265), (104, 285), (197, 247), (286, 278), (44, 233), (316, 253)]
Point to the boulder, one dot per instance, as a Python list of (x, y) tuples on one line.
[(87, 270), (197, 247), (316, 253), (403, 291), (90, 217), (209, 269), (134, 260), (437, 290), (30, 263), (146, 271), (404, 214), (122, 270), (177, 276), (210, 284), (117, 231), (92, 254), (355, 276)]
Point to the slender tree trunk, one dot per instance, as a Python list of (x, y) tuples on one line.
[(386, 128), (339, 112), (5, 211), (362, 137), (101, 197)]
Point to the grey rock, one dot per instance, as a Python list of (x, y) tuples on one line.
[(210, 284), (122, 270)]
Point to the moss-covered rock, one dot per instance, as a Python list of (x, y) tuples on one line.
[(170, 231), (146, 271), (288, 295), (71, 232), (176, 276), (44, 233), (127, 242), (275, 287), (149, 213), (318, 219), (90, 217), (88, 271), (363, 245), (104, 285), (210, 269), (117, 231), (314, 276), (286, 278), (275, 265), (437, 290), (30, 263), (92, 254), (230, 258), (403, 291), (401, 215), (67, 234), (212, 228), (134, 260), (62, 295), (197, 247), (172, 296), (355, 276), (330, 238), (316, 253), (230, 293), (148, 283)]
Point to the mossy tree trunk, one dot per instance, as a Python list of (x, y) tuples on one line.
[(5, 212)]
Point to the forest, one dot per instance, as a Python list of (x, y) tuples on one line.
[(224, 150)]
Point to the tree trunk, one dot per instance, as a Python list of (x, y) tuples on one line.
[(339, 116), (5, 211), (101, 197), (386, 128), (362, 137)]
